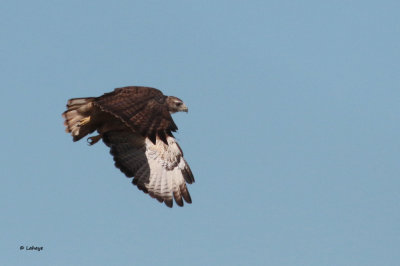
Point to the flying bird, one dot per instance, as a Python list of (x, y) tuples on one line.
[(136, 123)]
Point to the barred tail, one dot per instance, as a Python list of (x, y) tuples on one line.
[(77, 117)]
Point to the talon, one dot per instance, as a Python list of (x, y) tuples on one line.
[(84, 121), (93, 140)]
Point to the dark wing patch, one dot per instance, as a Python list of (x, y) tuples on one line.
[(142, 109), (128, 151)]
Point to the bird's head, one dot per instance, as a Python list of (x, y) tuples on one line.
[(176, 105)]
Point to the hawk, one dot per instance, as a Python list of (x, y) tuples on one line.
[(136, 123)]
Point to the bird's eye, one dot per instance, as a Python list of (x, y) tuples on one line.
[(178, 104)]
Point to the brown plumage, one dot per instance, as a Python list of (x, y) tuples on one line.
[(136, 123)]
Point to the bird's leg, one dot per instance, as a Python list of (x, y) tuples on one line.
[(84, 121), (93, 140)]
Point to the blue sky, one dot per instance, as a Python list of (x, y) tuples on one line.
[(292, 132)]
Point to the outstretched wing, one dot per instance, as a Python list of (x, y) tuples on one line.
[(158, 169), (142, 109)]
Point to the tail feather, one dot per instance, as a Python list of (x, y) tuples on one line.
[(78, 109)]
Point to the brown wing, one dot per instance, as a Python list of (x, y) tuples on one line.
[(158, 169), (142, 109)]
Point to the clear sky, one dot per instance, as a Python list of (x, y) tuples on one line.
[(292, 132)]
